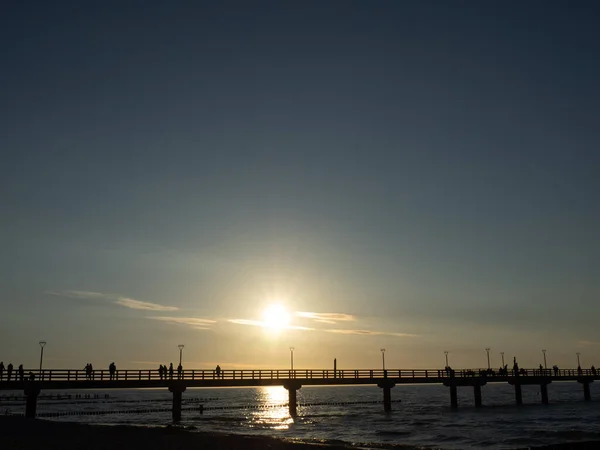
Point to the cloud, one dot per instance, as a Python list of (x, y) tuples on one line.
[(326, 317), (587, 343), (79, 294), (194, 322), (116, 299), (137, 304), (258, 323), (370, 333)]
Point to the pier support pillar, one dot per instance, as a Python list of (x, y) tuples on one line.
[(586, 391), (586, 387), (32, 392), (177, 388), (518, 394), (292, 389), (477, 390), (453, 397), (387, 394), (544, 390)]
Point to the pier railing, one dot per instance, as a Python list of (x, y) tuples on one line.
[(246, 374)]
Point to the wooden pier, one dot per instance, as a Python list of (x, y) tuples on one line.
[(292, 380)]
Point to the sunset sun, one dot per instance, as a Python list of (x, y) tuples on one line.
[(275, 316)]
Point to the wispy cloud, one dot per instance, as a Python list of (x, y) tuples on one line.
[(78, 294), (370, 333), (326, 317), (587, 343), (116, 299), (137, 304), (258, 323), (194, 322)]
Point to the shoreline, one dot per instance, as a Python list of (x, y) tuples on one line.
[(20, 433)]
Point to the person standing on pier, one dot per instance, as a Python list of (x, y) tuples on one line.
[(112, 369), (179, 371), (160, 372), (9, 370), (218, 370), (1, 370), (171, 371), (21, 373)]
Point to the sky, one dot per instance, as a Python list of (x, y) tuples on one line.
[(414, 176)]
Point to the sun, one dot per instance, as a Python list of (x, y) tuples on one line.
[(275, 316)]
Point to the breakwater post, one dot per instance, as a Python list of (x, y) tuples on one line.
[(177, 388), (292, 387)]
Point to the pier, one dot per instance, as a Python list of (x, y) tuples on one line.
[(293, 380)]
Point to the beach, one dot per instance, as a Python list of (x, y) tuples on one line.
[(21, 433)]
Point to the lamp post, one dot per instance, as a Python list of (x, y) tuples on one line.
[(42, 345), (446, 353), (545, 365), (488, 357), (383, 357), (292, 357), (578, 363), (180, 352), (502, 353)]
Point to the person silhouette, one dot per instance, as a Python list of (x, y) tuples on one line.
[(179, 371), (218, 370), (31, 376), (21, 373), (1, 370), (112, 368), (160, 373), (9, 370), (171, 371)]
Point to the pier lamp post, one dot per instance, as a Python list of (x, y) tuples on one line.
[(42, 345), (488, 357), (446, 353), (383, 357), (578, 363), (180, 352), (292, 357), (502, 353), (545, 365)]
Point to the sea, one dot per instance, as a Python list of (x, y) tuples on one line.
[(352, 415)]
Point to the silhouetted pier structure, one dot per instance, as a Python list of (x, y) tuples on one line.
[(293, 380)]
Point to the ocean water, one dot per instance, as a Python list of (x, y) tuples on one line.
[(354, 414)]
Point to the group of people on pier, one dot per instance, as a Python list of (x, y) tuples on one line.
[(19, 374), (163, 371)]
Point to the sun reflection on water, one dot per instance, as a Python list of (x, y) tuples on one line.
[(276, 416)]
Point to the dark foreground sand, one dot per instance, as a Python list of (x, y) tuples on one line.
[(20, 433)]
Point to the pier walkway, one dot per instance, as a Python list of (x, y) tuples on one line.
[(292, 380)]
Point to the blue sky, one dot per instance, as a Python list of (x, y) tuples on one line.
[(419, 176)]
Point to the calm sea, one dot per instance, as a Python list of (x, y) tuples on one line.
[(423, 418)]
